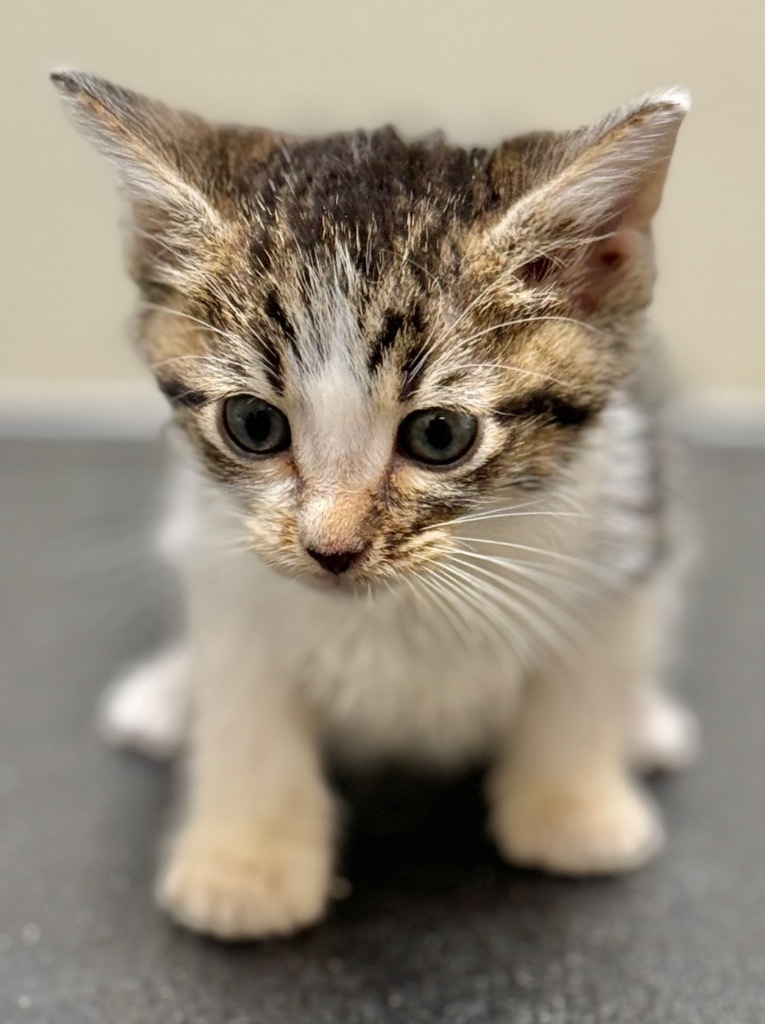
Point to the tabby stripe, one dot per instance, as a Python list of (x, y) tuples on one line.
[(546, 405), (274, 311), (392, 324), (273, 366), (177, 392)]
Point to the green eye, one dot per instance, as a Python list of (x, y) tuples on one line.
[(437, 437), (256, 426)]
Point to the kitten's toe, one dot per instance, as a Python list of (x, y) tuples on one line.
[(147, 709), (266, 882), (604, 829), (666, 738)]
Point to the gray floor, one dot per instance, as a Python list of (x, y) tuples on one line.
[(435, 929)]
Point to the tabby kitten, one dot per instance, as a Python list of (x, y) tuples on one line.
[(423, 511)]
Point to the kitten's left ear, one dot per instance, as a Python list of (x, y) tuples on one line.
[(584, 223)]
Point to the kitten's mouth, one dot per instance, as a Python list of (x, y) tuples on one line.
[(359, 581), (363, 574), (342, 585)]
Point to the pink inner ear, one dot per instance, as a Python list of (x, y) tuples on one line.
[(589, 273), (603, 265)]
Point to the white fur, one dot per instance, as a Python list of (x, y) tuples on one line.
[(666, 737), (147, 709)]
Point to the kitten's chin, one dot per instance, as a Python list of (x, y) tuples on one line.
[(346, 585)]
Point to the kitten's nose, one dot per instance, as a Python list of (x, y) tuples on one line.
[(336, 562)]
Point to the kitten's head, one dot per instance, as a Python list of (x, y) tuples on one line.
[(362, 338)]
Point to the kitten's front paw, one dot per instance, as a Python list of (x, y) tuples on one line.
[(604, 829), (265, 882)]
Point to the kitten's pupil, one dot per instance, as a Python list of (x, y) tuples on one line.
[(259, 426), (439, 433)]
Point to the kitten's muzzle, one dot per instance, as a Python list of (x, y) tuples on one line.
[(336, 562)]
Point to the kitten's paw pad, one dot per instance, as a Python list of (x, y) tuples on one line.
[(603, 831), (667, 737), (146, 710), (235, 889)]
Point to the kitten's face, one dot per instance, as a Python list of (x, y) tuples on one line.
[(357, 418), (364, 338)]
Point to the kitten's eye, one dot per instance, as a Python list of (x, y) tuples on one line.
[(255, 425), (437, 436)]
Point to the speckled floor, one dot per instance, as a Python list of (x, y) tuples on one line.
[(435, 928)]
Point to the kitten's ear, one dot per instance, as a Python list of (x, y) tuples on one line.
[(182, 176), (584, 223), (150, 146)]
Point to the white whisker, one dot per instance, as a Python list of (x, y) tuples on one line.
[(578, 563), (451, 612), (543, 605), (228, 335), (519, 321), (498, 636), (476, 592), (533, 571)]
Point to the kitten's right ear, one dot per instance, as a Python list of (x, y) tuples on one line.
[(150, 146)]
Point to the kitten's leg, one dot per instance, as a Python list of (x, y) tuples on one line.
[(665, 738), (147, 709), (252, 856), (561, 794)]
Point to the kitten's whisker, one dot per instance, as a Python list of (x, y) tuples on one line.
[(461, 610), (448, 620), (205, 359), (476, 592), (520, 321), (227, 335), (510, 514), (546, 576), (544, 606), (478, 512), (510, 368), (447, 333), (496, 637), (451, 612), (578, 563)]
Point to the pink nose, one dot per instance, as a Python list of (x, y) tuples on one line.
[(336, 562)]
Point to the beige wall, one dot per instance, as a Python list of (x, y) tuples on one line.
[(479, 68)]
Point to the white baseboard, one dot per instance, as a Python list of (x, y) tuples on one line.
[(71, 410), (722, 418)]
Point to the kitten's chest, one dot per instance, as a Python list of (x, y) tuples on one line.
[(406, 688)]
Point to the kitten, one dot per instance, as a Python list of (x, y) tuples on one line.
[(424, 511)]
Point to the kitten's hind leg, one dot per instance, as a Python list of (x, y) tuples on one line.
[(147, 709), (666, 734)]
